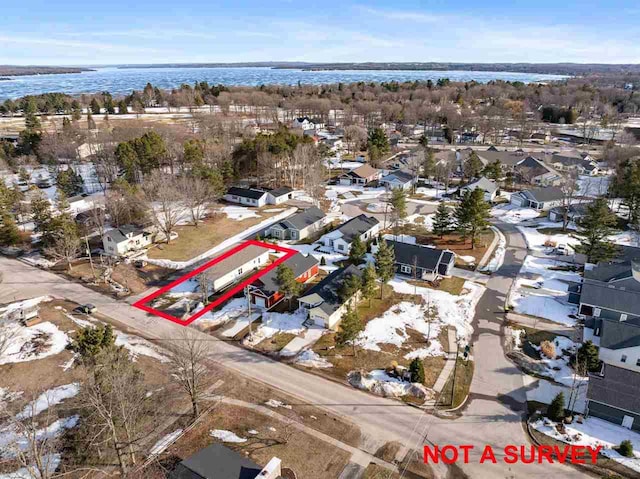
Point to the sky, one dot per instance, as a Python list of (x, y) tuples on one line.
[(90, 32)]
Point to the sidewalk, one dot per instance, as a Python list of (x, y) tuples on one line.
[(473, 276), (449, 364), (542, 324), (297, 344)]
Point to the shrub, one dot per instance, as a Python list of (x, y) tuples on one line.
[(626, 448), (416, 368), (555, 412), (548, 349)]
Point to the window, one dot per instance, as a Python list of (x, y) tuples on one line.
[(623, 359), (623, 317), (638, 362), (405, 268), (596, 312)]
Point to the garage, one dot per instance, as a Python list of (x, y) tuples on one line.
[(260, 301)]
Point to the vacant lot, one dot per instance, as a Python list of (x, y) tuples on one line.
[(193, 241)]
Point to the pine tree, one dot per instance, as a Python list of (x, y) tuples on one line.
[(323, 261), (95, 106), (399, 203), (596, 225), (442, 221), (349, 287), (555, 411), (109, 106), (472, 215), (472, 166), (385, 264), (357, 251), (350, 327), (493, 170), (626, 448), (286, 281), (30, 110), (122, 107), (76, 110), (416, 369), (91, 340), (69, 182), (9, 233), (369, 278), (588, 354), (429, 164)]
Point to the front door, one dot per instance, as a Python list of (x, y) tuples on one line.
[(627, 422)]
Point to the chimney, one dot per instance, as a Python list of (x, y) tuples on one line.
[(272, 470)]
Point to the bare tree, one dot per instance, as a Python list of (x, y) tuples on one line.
[(167, 208), (569, 188), (196, 195), (354, 136), (188, 356), (65, 246)]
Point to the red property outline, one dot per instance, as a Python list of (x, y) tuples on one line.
[(141, 303)]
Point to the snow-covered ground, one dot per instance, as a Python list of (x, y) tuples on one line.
[(232, 309), (164, 442), (541, 291), (239, 213), (226, 436), (434, 192), (424, 220), (391, 328), (49, 398), (513, 214), (498, 255), (313, 250), (537, 241), (456, 311), (274, 323), (382, 384), (138, 346), (311, 359), (593, 185), (596, 432)]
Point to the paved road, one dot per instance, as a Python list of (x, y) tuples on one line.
[(485, 421)]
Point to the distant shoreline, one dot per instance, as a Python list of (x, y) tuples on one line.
[(16, 71)]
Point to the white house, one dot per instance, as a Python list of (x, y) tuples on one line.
[(305, 123), (279, 195), (341, 238), (239, 264), (489, 187), (299, 225), (324, 303), (246, 196), (398, 179), (127, 238), (539, 198)]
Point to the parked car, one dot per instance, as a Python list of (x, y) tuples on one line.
[(86, 309), (563, 249)]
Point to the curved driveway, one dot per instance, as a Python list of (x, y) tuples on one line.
[(492, 417)]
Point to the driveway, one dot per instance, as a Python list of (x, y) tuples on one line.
[(493, 415)]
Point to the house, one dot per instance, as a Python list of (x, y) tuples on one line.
[(581, 164), (574, 213), (125, 239), (323, 302), (610, 302), (299, 225), (219, 462), (360, 176), (489, 187), (279, 195), (539, 198), (421, 261), (533, 171), (227, 271), (305, 123), (398, 179), (341, 238), (246, 196), (265, 293)]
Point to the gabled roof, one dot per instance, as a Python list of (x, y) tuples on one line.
[(298, 263), (284, 190), (400, 175), (531, 167), (120, 234), (619, 335), (420, 255), (364, 171), (484, 184), (246, 192), (236, 260), (329, 288), (302, 219), (540, 195), (603, 296), (356, 227), (216, 462)]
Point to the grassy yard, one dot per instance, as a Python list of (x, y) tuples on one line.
[(275, 343), (373, 471), (193, 241), (452, 285), (463, 376)]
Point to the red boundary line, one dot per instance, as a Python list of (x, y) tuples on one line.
[(141, 303)]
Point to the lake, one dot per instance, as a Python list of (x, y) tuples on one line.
[(122, 81)]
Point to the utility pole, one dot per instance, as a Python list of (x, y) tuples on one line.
[(93, 271)]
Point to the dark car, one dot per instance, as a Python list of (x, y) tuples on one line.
[(86, 309)]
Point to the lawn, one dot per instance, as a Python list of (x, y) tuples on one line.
[(463, 377), (461, 247), (452, 285), (193, 241), (373, 471)]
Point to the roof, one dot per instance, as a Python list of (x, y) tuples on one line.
[(483, 183), (606, 272), (329, 288), (508, 158), (579, 209), (364, 171), (120, 234), (547, 193), (302, 219), (400, 175), (605, 296), (285, 190), (216, 462), (246, 192), (532, 167), (420, 255), (619, 334), (356, 226), (243, 256), (298, 263)]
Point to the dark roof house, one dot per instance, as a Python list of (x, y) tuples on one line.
[(216, 462), (430, 262)]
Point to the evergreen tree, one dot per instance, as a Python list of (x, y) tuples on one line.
[(66, 125), (9, 233), (323, 261), (369, 278), (30, 110), (70, 182), (626, 448), (92, 340), (555, 411), (442, 221), (193, 152), (109, 105), (76, 110), (595, 227), (349, 287), (626, 185), (350, 327), (588, 354), (472, 215), (357, 251), (416, 369), (378, 138), (493, 170), (399, 203), (472, 166), (428, 164), (385, 264), (122, 107), (95, 106), (286, 281)]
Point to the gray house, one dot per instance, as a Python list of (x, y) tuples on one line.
[(422, 262), (610, 303), (398, 179), (539, 198), (489, 187), (298, 226), (340, 239)]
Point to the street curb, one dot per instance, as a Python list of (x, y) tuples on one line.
[(489, 253)]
